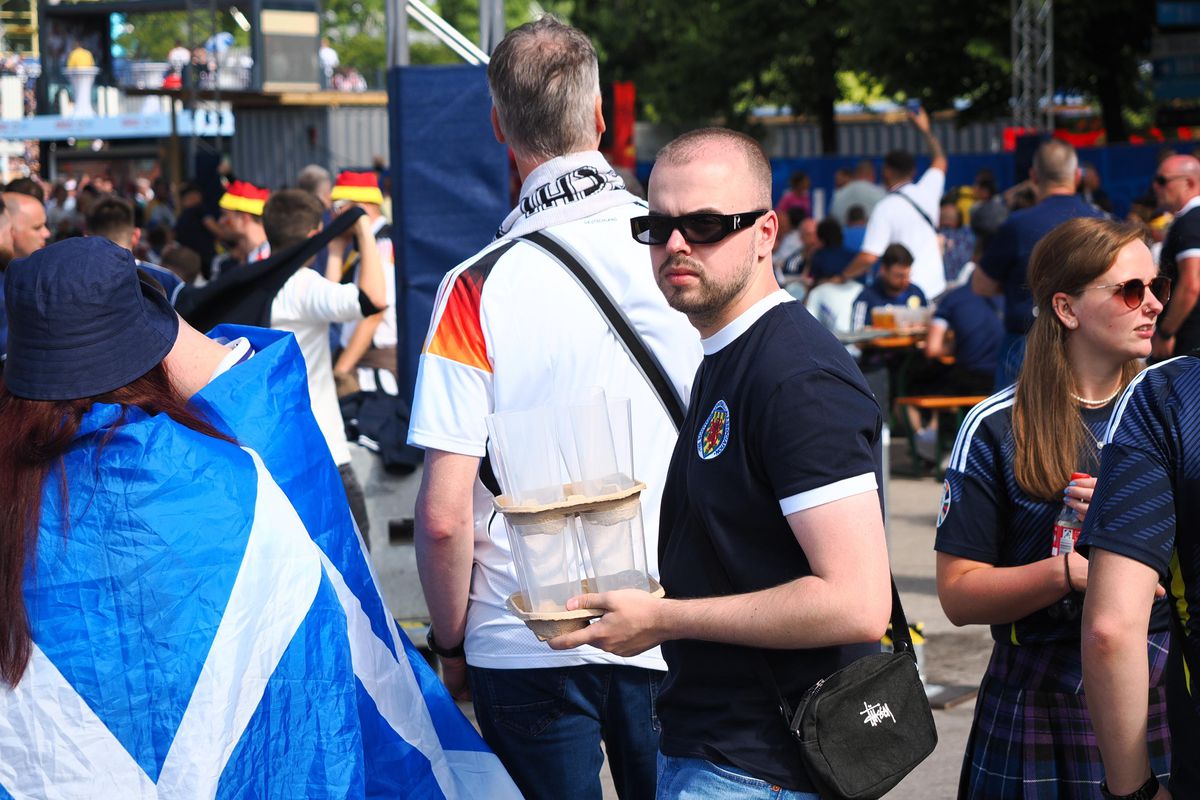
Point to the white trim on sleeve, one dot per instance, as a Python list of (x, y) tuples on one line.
[(1192, 252), (838, 490)]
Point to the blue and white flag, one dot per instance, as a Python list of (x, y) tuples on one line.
[(206, 622)]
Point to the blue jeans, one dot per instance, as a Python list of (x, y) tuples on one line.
[(697, 779), (546, 726)]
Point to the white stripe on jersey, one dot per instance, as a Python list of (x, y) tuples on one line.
[(997, 402), (1115, 419)]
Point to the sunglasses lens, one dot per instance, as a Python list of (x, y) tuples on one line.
[(1159, 180), (652, 230), (1161, 287), (703, 228), (1133, 292)]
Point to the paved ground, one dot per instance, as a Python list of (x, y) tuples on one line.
[(953, 656)]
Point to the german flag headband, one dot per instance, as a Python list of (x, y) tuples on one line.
[(357, 187), (243, 196)]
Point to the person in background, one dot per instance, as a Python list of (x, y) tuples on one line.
[(958, 241), (796, 196), (893, 286), (907, 215), (194, 229), (862, 191), (27, 218), (1004, 561), (305, 306), (832, 256), (1002, 270), (1090, 190), (855, 228), (183, 261), (241, 223), (1177, 184), (112, 218)]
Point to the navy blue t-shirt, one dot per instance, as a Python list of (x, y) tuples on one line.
[(1183, 242), (977, 327), (874, 296), (987, 517), (1147, 507), (780, 420), (171, 283), (1006, 256)]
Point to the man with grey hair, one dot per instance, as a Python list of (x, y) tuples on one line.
[(1055, 173), (512, 331), (316, 180), (772, 547)]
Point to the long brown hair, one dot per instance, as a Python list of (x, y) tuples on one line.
[(1047, 426), (34, 437)]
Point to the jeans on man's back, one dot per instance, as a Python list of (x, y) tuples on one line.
[(546, 726)]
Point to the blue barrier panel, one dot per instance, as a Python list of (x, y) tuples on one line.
[(449, 187)]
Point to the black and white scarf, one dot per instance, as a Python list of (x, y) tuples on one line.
[(565, 189)]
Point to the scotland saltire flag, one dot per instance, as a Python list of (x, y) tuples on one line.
[(206, 623)]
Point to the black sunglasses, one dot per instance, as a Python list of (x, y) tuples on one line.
[(1163, 180), (696, 228), (1133, 291)]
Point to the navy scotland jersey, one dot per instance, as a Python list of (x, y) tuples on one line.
[(780, 420), (987, 517), (1147, 507)]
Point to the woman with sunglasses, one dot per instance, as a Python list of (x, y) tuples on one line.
[(1004, 558)]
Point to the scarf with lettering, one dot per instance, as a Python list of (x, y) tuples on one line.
[(565, 189)]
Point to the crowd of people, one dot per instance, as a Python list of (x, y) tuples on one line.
[(136, 445)]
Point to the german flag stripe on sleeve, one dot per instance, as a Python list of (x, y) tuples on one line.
[(458, 333)]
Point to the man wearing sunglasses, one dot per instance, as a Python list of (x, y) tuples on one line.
[(1177, 185), (513, 330), (772, 543)]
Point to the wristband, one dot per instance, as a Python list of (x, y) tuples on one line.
[(443, 652), (1144, 792)]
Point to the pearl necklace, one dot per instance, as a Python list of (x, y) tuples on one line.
[(1097, 403)]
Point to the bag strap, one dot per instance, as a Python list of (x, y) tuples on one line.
[(635, 346), (901, 638), (919, 210)]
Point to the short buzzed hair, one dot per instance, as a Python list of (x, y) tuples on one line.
[(112, 217), (896, 254), (684, 148), (1055, 163), (289, 216), (544, 80), (27, 186)]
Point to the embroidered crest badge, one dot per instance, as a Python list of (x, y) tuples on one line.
[(945, 503), (714, 434)]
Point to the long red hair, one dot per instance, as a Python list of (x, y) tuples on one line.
[(34, 437)]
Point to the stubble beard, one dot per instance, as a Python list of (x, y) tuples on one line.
[(704, 303)]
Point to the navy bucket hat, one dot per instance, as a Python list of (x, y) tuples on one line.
[(82, 321)]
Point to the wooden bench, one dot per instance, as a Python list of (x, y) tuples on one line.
[(947, 405)]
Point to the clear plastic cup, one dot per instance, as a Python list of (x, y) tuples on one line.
[(549, 563), (524, 448), (616, 548), (596, 440)]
